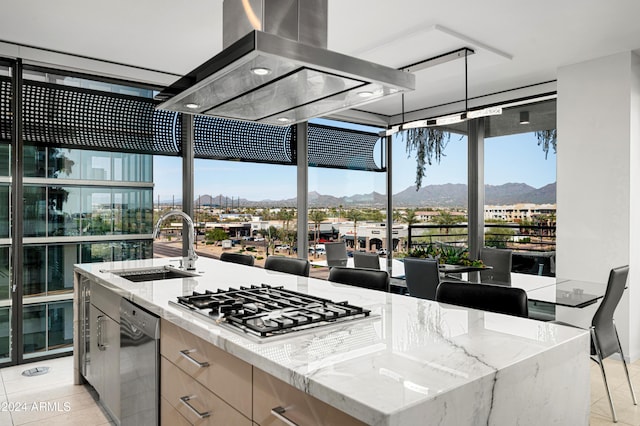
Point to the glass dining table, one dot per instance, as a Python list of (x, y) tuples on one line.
[(544, 293), (569, 293)]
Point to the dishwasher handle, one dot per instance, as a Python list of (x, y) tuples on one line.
[(100, 334)]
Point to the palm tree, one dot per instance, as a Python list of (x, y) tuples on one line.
[(355, 215), (444, 219), (286, 216), (398, 216), (411, 217), (317, 216)]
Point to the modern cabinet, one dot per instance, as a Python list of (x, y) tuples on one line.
[(202, 384), (195, 402), (278, 403), (102, 360)]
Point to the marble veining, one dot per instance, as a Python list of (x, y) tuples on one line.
[(412, 362)]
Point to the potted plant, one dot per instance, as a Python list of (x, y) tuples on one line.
[(445, 254)]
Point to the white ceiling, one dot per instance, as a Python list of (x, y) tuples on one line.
[(517, 43)]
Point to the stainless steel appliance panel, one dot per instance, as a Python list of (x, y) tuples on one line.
[(139, 362)]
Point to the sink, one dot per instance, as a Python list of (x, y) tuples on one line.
[(153, 273)]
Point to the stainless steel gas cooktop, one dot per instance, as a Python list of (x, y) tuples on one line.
[(266, 311)]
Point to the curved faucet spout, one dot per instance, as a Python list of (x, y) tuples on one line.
[(190, 260)]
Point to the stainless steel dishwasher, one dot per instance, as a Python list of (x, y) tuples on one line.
[(139, 365)]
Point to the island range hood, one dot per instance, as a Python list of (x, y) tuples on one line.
[(275, 68)]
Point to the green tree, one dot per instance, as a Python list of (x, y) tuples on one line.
[(286, 216), (317, 217), (284, 234), (498, 237), (398, 216), (270, 235), (444, 219), (355, 215), (375, 215), (215, 235), (411, 218)]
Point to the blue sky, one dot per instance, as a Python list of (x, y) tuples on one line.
[(515, 158)]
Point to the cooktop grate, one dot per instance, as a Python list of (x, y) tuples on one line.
[(267, 311)]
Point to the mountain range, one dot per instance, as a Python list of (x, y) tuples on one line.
[(446, 195)]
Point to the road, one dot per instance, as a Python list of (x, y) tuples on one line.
[(171, 249), (174, 249)]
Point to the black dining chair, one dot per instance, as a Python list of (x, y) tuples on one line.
[(486, 297), (242, 259), (366, 260), (422, 277), (604, 335), (336, 254), (289, 265), (360, 277), (501, 261)]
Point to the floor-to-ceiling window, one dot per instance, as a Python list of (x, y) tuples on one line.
[(77, 204), (436, 210), (6, 120), (80, 206), (520, 185)]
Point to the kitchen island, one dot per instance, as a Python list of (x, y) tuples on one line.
[(409, 362)]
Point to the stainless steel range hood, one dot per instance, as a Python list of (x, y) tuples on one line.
[(266, 77)]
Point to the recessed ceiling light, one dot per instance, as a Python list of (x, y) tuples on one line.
[(192, 106), (524, 117), (365, 94), (284, 119), (261, 71)]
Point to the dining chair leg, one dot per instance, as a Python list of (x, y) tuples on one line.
[(626, 370), (604, 375)]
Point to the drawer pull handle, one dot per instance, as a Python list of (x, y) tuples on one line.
[(185, 353), (185, 400), (278, 412)]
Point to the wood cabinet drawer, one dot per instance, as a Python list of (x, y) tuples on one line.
[(225, 375), (188, 398), (301, 408), (169, 416)]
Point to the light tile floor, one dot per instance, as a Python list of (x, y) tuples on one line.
[(52, 399)]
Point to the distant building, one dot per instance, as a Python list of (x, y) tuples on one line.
[(518, 212), (428, 215), (371, 236)]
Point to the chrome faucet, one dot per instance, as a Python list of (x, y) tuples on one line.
[(190, 260)]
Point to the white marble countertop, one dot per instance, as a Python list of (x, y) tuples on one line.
[(386, 369)]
